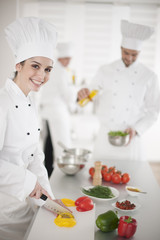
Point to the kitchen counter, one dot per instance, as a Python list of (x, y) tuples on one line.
[(147, 215)]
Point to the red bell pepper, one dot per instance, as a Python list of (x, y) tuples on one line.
[(84, 204), (127, 226)]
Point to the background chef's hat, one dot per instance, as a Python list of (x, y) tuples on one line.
[(133, 34), (64, 49), (30, 37)]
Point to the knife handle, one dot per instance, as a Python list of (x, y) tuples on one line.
[(43, 197)]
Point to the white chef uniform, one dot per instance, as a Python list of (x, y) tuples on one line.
[(21, 160), (58, 99), (128, 97)]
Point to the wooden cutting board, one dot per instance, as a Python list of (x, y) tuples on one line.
[(44, 227)]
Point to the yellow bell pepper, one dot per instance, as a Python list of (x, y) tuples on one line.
[(68, 202), (65, 220)]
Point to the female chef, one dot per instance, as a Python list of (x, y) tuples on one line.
[(23, 177), (128, 99)]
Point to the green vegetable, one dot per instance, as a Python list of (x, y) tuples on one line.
[(107, 221), (99, 192), (118, 133)]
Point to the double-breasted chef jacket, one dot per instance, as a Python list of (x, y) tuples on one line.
[(21, 161), (128, 97), (58, 99)]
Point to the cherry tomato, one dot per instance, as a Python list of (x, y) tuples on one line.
[(112, 170), (91, 171), (77, 202), (119, 172), (116, 178), (125, 178), (107, 176), (85, 204), (104, 168)]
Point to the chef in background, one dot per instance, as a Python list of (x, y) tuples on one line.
[(128, 98), (58, 101), (23, 177)]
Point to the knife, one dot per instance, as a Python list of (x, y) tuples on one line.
[(53, 206)]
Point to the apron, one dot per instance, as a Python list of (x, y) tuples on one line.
[(15, 217)]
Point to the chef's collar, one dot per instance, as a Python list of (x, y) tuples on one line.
[(15, 90)]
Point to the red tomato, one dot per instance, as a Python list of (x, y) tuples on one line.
[(125, 178), (77, 202), (91, 171), (119, 172), (85, 204), (116, 178), (104, 168), (107, 176), (112, 170)]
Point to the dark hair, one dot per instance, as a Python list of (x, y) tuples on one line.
[(15, 73)]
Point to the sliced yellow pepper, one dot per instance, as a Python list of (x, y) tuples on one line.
[(84, 101), (65, 220), (68, 202)]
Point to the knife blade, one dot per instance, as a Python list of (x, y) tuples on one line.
[(53, 206)]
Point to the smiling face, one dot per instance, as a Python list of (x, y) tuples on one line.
[(129, 56), (33, 73)]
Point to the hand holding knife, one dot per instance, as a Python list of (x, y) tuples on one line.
[(55, 206)]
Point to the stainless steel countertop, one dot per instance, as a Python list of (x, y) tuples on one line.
[(147, 216)]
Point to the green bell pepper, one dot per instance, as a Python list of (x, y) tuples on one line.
[(107, 221)]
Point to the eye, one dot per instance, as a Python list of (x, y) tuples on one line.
[(48, 69), (35, 66)]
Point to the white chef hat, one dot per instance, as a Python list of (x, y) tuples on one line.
[(133, 34), (64, 49), (30, 37)]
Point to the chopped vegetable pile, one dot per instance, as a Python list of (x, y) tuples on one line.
[(99, 192), (117, 133), (125, 205)]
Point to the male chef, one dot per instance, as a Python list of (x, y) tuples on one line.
[(128, 99)]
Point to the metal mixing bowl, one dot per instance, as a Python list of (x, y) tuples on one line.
[(118, 140), (78, 153), (70, 165)]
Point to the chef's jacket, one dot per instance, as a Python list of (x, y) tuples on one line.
[(128, 97), (58, 100), (21, 161)]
